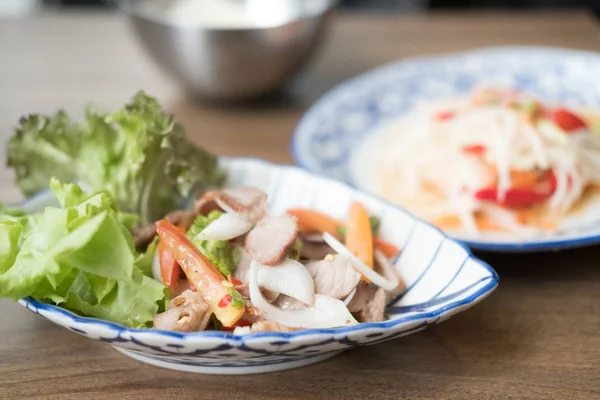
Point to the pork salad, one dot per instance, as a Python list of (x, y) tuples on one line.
[(223, 264)]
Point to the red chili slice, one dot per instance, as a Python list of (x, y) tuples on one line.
[(240, 323), (443, 115), (475, 149), (520, 197), (225, 301), (235, 281), (566, 120)]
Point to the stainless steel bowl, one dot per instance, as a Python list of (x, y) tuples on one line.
[(232, 64)]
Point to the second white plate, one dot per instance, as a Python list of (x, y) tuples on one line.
[(333, 128)]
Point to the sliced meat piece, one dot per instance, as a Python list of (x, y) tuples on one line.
[(207, 203), (269, 326), (374, 309), (245, 292), (186, 298), (288, 303), (245, 201), (181, 218), (243, 266), (185, 313), (269, 241), (333, 276), (315, 250), (253, 314), (384, 267), (368, 303), (364, 292), (145, 235)]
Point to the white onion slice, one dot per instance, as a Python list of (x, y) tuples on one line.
[(290, 278), (350, 296), (156, 268), (326, 313), (242, 330), (223, 205), (227, 226), (359, 265)]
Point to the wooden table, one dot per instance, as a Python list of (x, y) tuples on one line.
[(536, 337)]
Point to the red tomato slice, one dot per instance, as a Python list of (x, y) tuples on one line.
[(521, 197), (566, 120), (170, 271), (475, 149), (443, 115)]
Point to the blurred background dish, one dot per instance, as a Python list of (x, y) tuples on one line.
[(230, 50), (332, 138)]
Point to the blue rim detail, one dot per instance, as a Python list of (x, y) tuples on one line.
[(33, 304), (434, 301), (480, 245), (458, 271)]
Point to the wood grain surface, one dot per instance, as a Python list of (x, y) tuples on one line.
[(536, 337)]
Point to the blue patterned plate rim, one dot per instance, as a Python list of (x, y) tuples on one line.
[(492, 282), (543, 244)]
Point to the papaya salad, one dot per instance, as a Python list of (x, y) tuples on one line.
[(117, 251), (497, 160)]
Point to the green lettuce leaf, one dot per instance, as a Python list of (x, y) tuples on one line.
[(43, 147), (220, 253), (138, 154), (132, 303), (296, 250), (237, 301), (144, 260), (80, 256)]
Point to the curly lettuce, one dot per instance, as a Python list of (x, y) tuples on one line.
[(80, 256), (138, 154)]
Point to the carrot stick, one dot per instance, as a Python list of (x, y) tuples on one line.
[(359, 238), (310, 221), (386, 248)]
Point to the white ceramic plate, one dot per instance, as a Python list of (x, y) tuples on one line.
[(442, 277), (329, 134)]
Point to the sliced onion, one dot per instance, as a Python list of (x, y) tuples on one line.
[(359, 265), (313, 237), (156, 268), (290, 278), (227, 226), (350, 296), (242, 330), (326, 313)]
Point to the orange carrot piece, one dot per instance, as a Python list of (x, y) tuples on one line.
[(310, 221), (385, 247), (359, 237)]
